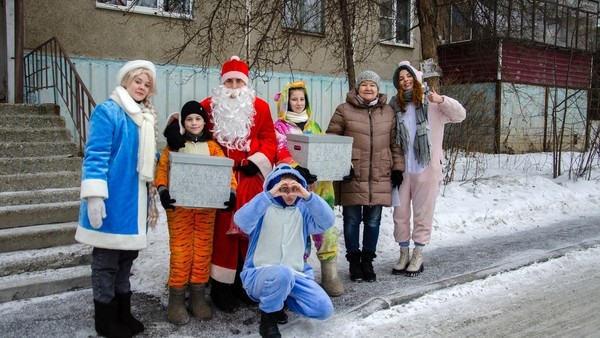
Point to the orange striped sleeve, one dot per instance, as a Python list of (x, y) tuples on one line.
[(162, 169)]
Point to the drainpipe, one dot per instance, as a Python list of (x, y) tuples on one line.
[(19, 42)]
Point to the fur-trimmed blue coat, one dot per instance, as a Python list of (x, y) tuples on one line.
[(109, 170)]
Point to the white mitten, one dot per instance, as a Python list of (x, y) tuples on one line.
[(96, 211)]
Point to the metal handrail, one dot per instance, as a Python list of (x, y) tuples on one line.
[(48, 66)]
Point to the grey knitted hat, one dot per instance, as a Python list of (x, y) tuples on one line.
[(368, 75)]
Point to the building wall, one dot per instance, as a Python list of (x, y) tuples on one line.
[(527, 121), (545, 66), (89, 32), (532, 82), (515, 62), (524, 122)]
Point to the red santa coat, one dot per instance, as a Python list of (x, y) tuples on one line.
[(263, 147)]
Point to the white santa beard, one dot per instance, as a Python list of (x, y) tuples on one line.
[(233, 116)]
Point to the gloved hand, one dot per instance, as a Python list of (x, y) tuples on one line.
[(165, 198), (310, 178), (348, 178), (250, 169), (174, 138), (397, 178), (96, 211), (231, 203)]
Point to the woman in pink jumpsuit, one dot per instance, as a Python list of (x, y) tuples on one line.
[(421, 117)]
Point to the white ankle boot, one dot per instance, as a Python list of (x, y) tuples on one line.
[(415, 267), (402, 263)]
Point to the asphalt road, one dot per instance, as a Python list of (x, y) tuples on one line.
[(71, 314)]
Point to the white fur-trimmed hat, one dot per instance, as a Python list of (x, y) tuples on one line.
[(135, 64), (234, 69)]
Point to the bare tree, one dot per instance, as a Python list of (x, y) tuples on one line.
[(427, 16), (271, 35)]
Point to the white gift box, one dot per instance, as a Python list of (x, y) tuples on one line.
[(199, 181), (327, 156)]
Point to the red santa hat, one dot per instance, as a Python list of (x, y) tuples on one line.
[(234, 69)]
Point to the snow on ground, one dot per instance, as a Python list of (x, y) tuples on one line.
[(490, 195), (498, 306)]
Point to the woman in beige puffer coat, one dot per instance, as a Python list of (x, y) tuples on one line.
[(376, 158)]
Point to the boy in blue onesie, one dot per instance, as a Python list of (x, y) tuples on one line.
[(278, 221)]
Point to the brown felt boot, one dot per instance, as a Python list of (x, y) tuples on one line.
[(330, 282), (176, 311), (200, 309)]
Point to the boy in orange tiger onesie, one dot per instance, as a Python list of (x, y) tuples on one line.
[(190, 230)]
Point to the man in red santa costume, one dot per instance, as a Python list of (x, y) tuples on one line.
[(242, 124)]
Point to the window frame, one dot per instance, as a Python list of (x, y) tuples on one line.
[(393, 40), (132, 6)]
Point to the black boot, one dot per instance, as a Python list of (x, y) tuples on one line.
[(268, 325), (356, 272), (222, 296), (106, 322), (124, 313), (282, 317), (367, 266)]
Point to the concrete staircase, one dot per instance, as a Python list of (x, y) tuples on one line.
[(40, 174)]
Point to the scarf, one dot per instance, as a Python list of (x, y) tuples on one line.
[(145, 119), (292, 117), (422, 142), (370, 104)]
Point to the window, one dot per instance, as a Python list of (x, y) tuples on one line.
[(170, 8), (460, 27), (395, 21), (303, 15)]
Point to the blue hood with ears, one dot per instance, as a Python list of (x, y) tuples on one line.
[(275, 176)]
